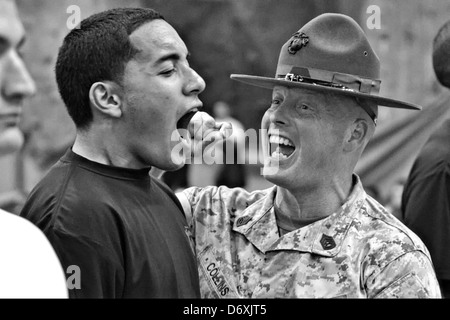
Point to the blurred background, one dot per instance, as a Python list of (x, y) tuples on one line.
[(245, 36)]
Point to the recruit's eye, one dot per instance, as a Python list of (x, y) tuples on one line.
[(168, 72)]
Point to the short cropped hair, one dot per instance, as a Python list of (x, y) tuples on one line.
[(441, 55), (96, 51)]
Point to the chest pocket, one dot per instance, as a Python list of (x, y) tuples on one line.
[(214, 283)]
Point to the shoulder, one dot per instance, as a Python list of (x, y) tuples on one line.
[(388, 238), (30, 267), (67, 200), (394, 258), (213, 196)]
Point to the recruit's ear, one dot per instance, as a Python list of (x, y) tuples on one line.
[(357, 135), (105, 97)]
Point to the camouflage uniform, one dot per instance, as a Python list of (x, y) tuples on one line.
[(360, 251)]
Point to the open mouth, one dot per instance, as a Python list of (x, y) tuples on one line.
[(183, 123), (280, 147)]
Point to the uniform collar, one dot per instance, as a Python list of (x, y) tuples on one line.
[(324, 237)]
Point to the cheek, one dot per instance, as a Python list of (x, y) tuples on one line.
[(147, 109), (265, 122), (319, 146)]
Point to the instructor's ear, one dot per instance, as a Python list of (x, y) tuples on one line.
[(357, 135), (105, 98)]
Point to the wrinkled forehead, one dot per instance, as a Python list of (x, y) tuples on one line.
[(330, 103), (300, 94), (155, 36)]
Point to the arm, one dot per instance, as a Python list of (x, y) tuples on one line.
[(409, 276)]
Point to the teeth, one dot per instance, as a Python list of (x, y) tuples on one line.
[(278, 154), (280, 140)]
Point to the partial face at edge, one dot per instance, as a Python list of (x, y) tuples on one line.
[(15, 81)]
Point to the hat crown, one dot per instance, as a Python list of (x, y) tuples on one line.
[(331, 53), (331, 42)]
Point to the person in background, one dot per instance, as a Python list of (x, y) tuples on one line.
[(126, 81), (232, 172), (316, 233), (426, 196), (29, 267)]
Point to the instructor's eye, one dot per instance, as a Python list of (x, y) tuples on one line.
[(275, 102), (303, 106)]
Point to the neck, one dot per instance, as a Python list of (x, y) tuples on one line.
[(104, 149), (313, 203)]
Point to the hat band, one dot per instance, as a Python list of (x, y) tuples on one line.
[(337, 80), (350, 81)]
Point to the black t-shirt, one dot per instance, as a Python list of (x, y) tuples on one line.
[(426, 199), (122, 229)]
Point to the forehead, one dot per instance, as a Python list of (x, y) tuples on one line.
[(9, 18), (157, 37), (11, 27), (300, 93), (327, 103)]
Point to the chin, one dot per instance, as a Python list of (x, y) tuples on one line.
[(11, 140), (277, 176), (174, 167), (170, 164), (274, 178)]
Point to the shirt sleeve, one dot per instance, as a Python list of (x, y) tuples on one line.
[(188, 199), (409, 276)]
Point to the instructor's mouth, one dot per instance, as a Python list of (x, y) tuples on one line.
[(280, 147)]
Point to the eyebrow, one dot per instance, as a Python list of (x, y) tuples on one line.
[(171, 56)]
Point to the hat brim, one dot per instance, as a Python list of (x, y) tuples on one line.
[(269, 83)]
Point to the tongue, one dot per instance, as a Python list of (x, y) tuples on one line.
[(286, 150)]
